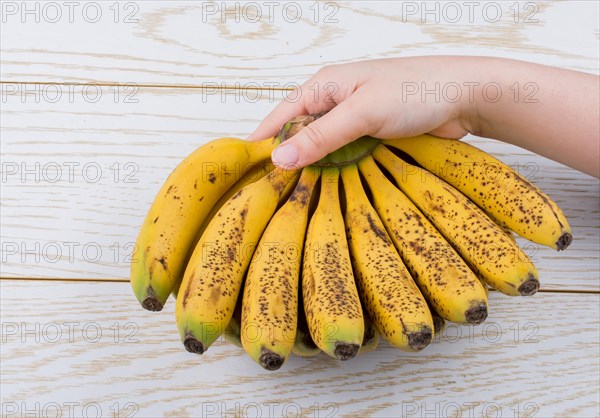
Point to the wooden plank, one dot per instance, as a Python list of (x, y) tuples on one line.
[(89, 346), (276, 43), (79, 176)]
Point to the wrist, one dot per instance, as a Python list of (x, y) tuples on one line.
[(476, 72)]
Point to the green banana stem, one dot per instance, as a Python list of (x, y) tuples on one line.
[(348, 154)]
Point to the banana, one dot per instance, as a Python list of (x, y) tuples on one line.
[(213, 277), (486, 248), (445, 280), (506, 230), (388, 292), (255, 173), (494, 186), (304, 346), (187, 196), (331, 301), (270, 301)]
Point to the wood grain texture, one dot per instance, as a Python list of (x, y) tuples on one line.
[(78, 178), (519, 360), (81, 165), (262, 43)]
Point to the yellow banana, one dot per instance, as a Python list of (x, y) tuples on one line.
[(445, 280), (506, 230), (270, 301), (187, 196), (488, 250), (494, 186), (213, 277), (331, 301), (389, 294), (255, 173)]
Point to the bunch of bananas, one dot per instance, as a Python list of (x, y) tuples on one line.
[(382, 237)]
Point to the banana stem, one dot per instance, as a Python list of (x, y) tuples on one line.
[(348, 154)]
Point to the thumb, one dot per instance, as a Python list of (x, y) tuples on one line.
[(340, 126)]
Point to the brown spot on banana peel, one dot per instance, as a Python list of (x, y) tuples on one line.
[(162, 262), (215, 293), (302, 193), (376, 229), (188, 289)]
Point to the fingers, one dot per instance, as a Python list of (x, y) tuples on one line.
[(314, 96), (343, 124), (282, 113)]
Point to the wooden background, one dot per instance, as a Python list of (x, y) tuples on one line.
[(99, 102)]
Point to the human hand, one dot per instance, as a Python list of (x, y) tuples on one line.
[(446, 96), (375, 98)]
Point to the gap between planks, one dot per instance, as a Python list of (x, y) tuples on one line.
[(212, 86), (118, 280)]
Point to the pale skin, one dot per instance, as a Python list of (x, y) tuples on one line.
[(550, 111)]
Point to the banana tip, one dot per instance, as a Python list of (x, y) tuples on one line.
[(270, 360), (529, 286), (192, 345), (345, 351), (421, 339), (564, 241), (477, 313), (152, 304)]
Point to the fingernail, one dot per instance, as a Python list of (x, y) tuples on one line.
[(285, 156)]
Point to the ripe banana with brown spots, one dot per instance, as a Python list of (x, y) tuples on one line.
[(486, 248), (214, 274), (445, 280), (388, 292), (492, 185), (168, 233), (255, 173), (270, 297), (331, 301)]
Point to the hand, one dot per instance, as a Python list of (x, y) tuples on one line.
[(380, 98), (550, 111)]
